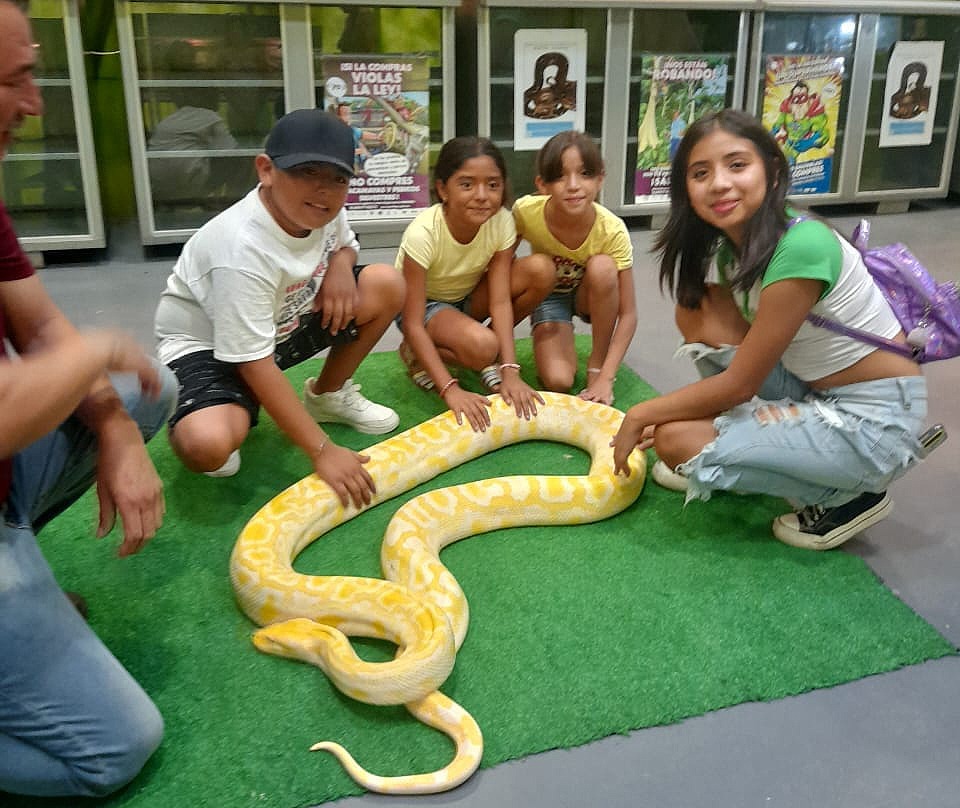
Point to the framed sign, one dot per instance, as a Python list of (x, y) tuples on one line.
[(550, 82)]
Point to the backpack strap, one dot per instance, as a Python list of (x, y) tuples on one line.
[(882, 343), (861, 235)]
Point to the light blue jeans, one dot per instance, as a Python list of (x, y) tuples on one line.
[(73, 722), (818, 447)]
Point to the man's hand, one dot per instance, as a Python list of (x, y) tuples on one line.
[(128, 485)]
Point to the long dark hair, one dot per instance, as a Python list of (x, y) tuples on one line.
[(688, 241), (456, 151)]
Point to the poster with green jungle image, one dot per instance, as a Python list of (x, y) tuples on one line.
[(674, 92)]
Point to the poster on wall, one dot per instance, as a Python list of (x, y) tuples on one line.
[(386, 101), (801, 108), (550, 81), (910, 95), (675, 91)]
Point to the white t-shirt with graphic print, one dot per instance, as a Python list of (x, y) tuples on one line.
[(242, 284)]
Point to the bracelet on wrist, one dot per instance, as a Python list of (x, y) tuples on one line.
[(600, 370), (447, 386), (513, 365)]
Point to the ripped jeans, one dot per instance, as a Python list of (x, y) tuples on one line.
[(811, 447)]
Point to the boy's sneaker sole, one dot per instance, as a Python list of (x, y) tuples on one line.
[(229, 468), (832, 526)]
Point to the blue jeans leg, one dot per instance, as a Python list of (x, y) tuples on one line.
[(73, 722)]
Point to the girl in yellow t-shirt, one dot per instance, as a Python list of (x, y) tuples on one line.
[(456, 258), (588, 250)]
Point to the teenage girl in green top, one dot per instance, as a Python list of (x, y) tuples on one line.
[(784, 407)]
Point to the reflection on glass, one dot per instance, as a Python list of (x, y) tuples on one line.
[(236, 48), (51, 49), (44, 196), (211, 89), (41, 181)]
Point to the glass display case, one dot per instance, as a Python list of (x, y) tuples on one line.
[(48, 181), (920, 170), (625, 43), (801, 88), (865, 168), (815, 71), (497, 27), (204, 83), (683, 64)]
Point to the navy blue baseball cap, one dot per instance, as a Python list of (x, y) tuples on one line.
[(310, 136)]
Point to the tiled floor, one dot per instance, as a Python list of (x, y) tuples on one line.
[(888, 741)]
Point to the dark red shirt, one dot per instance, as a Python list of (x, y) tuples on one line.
[(14, 266)]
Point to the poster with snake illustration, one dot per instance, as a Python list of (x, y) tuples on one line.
[(550, 81), (910, 95), (674, 92), (385, 99), (801, 108)]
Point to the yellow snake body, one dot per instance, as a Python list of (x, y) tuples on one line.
[(421, 607)]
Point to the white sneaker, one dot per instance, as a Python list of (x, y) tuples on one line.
[(228, 469), (666, 477), (347, 406)]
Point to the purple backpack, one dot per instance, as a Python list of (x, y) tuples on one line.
[(929, 312)]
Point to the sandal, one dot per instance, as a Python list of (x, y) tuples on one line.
[(415, 370), (490, 378)]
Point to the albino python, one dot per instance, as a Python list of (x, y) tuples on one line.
[(421, 607)]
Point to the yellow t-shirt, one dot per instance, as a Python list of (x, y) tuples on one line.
[(608, 236), (454, 269)]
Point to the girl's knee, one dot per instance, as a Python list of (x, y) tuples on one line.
[(556, 379), (601, 266), (675, 442), (600, 287), (716, 321), (535, 272), (472, 344), (484, 350)]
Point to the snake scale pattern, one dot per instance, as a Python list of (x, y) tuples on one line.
[(419, 606)]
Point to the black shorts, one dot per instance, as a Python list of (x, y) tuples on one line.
[(206, 381)]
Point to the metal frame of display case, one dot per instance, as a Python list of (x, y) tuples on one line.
[(93, 237), (298, 84), (747, 74)]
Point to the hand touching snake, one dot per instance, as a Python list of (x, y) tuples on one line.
[(420, 607)]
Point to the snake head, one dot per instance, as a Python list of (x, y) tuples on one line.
[(299, 638)]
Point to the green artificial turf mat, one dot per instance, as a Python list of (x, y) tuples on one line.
[(576, 633)]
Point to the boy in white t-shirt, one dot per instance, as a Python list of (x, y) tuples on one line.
[(269, 283)]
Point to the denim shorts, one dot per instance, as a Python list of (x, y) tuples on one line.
[(557, 307), (824, 447), (434, 307)]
